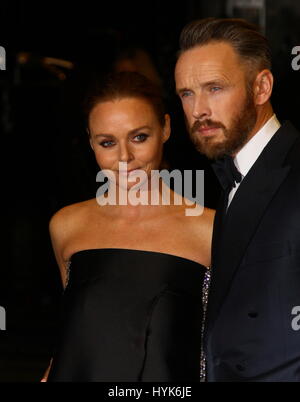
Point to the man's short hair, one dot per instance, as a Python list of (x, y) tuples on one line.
[(245, 38)]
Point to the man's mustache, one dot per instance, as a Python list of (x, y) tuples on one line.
[(205, 124)]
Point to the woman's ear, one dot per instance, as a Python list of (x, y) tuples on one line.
[(90, 138), (263, 86), (167, 128)]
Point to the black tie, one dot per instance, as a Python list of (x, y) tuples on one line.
[(226, 172)]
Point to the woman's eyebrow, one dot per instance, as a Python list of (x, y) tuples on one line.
[(133, 131)]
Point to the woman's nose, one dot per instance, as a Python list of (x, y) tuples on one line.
[(125, 154)]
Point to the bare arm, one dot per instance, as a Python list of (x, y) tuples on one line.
[(57, 229), (59, 233), (45, 376)]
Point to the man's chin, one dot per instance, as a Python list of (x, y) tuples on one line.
[(211, 151)]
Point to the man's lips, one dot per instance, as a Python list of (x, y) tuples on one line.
[(209, 130)]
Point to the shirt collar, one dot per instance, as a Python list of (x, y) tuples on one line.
[(246, 157)]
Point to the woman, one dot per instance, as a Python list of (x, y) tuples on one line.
[(132, 273)]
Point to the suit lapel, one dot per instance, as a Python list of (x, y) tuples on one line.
[(231, 238)]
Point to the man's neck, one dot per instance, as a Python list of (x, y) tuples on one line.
[(264, 114)]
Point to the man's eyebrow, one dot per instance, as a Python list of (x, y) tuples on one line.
[(217, 81)]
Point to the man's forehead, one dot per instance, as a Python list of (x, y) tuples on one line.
[(211, 55), (198, 74), (208, 62)]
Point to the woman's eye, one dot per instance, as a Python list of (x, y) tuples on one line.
[(141, 137), (106, 144)]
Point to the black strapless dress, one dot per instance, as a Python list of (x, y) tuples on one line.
[(130, 315)]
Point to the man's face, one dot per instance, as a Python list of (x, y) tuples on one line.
[(219, 109)]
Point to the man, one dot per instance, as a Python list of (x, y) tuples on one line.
[(224, 81)]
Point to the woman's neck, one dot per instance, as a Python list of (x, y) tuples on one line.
[(142, 202)]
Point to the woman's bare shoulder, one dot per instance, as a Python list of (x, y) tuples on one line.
[(199, 218), (70, 216), (206, 219), (208, 215), (197, 212)]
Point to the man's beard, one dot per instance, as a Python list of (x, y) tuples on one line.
[(236, 135)]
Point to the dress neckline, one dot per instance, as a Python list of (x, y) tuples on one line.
[(133, 250)]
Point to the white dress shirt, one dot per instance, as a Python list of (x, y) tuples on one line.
[(246, 157)]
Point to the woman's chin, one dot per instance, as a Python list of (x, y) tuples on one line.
[(133, 186)]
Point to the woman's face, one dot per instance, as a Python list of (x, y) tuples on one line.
[(127, 130)]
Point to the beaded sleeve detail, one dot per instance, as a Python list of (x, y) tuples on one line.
[(205, 291), (68, 263)]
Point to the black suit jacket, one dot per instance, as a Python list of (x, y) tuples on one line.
[(255, 285)]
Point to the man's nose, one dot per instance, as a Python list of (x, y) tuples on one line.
[(201, 108)]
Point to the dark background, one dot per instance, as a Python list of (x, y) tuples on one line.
[(46, 160)]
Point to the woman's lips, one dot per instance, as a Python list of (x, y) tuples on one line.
[(127, 172)]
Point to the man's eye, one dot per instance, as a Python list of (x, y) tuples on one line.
[(141, 137), (215, 89), (106, 144), (185, 94)]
